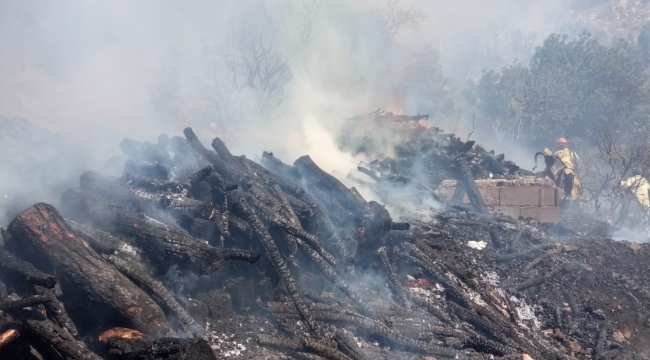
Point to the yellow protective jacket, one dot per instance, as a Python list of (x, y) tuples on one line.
[(568, 161), (639, 185)]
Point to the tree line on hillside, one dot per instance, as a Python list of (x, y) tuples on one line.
[(595, 95), (576, 88)]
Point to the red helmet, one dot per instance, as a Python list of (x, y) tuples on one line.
[(561, 141)]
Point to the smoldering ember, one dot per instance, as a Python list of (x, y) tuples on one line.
[(196, 253)]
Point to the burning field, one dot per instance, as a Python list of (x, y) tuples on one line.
[(196, 253)]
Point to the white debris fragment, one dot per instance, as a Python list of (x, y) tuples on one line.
[(492, 278), (526, 314), (128, 249), (150, 219), (479, 245)]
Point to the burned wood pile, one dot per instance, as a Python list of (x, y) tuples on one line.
[(412, 159), (369, 134), (195, 253)]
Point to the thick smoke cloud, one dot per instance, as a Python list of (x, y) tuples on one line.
[(95, 72)]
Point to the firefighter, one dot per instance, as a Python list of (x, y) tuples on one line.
[(566, 174), (639, 186)]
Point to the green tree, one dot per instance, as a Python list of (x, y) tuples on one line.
[(504, 98), (571, 88)]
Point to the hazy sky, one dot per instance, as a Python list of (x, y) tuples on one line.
[(89, 69), (67, 60), (98, 71)]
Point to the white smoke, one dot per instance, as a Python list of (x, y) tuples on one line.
[(99, 71)]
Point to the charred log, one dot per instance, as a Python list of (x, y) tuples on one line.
[(308, 208), (229, 171), (42, 231), (534, 281), (531, 283), (220, 147), (114, 189), (159, 349), (302, 345), (8, 305), (143, 200), (434, 309), (154, 185), (304, 212), (370, 325), (103, 242), (348, 345), (295, 230), (276, 166), (199, 176), (185, 157), (237, 225), (541, 257), (220, 182), (421, 259), (10, 263), (331, 274), (56, 311), (154, 237), (278, 262), (159, 293), (154, 171), (484, 345), (394, 282), (61, 344), (480, 322), (326, 183), (286, 206)]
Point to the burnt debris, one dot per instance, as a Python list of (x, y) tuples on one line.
[(196, 253)]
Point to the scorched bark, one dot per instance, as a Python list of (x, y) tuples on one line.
[(159, 349), (44, 235), (160, 240), (9, 262), (63, 344), (158, 291)]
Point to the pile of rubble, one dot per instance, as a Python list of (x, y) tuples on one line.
[(418, 150), (412, 159), (135, 268)]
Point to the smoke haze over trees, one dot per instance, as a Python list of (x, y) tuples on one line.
[(572, 88), (95, 72)]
